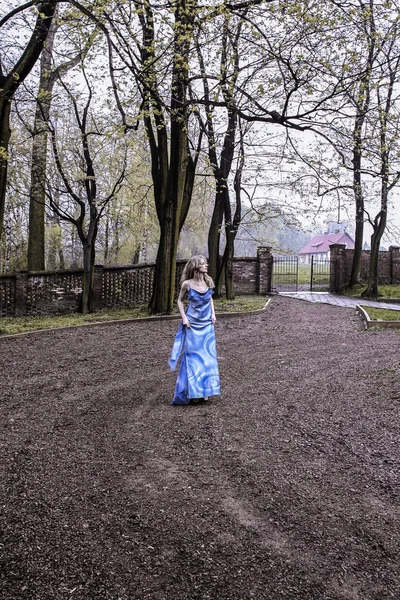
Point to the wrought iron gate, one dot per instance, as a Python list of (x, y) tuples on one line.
[(285, 273), (320, 274)]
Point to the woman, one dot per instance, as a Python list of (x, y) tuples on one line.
[(198, 376)]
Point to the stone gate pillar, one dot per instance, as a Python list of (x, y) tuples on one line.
[(337, 268), (265, 262)]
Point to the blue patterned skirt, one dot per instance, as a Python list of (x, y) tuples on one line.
[(198, 375)]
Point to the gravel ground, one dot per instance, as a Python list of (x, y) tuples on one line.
[(285, 486)]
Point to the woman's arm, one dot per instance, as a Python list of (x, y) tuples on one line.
[(182, 294), (213, 317)]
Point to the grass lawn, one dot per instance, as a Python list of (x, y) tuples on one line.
[(382, 314), (304, 274), (385, 291), (11, 325)]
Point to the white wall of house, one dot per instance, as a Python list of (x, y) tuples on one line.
[(305, 259)]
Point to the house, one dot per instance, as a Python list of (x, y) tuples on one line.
[(319, 246)]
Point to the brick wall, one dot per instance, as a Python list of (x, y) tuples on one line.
[(59, 292), (245, 275), (342, 260)]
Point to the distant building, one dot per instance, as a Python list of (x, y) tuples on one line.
[(366, 246), (319, 245)]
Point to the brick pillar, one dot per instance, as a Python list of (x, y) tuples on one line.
[(265, 261), (98, 287), (21, 293), (337, 268), (394, 264)]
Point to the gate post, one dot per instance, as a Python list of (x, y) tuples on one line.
[(337, 268), (265, 260)]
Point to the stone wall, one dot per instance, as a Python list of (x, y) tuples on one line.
[(342, 260), (114, 287), (117, 287), (245, 275)]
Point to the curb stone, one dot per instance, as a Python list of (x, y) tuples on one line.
[(368, 322)]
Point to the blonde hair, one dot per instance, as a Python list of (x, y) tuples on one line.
[(193, 264)]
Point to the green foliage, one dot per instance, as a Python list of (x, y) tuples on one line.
[(302, 65)]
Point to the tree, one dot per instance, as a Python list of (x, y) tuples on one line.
[(10, 81), (85, 190), (129, 231), (388, 152), (361, 99), (221, 165), (161, 69), (173, 166), (346, 63), (269, 83), (47, 79)]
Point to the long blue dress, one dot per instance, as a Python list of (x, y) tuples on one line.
[(198, 375)]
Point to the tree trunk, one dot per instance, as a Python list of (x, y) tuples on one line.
[(136, 256), (214, 240), (379, 224), (37, 195), (173, 182), (164, 278), (5, 133), (75, 250), (232, 230), (106, 237), (88, 276), (362, 106), (164, 275), (371, 290), (359, 228), (10, 83), (61, 252), (359, 200)]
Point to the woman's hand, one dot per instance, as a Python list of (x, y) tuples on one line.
[(186, 322), (213, 319)]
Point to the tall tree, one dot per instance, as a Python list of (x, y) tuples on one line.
[(172, 164), (86, 189), (161, 68), (221, 165), (386, 132), (10, 81), (49, 73), (361, 99), (347, 50)]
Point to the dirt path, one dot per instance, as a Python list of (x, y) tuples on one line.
[(287, 486)]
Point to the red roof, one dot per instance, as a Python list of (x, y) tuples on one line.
[(321, 243)]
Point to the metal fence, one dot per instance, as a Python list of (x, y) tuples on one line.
[(285, 273), (320, 274)]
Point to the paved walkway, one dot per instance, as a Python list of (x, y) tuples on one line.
[(345, 301)]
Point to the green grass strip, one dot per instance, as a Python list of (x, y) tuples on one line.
[(381, 314), (385, 291), (13, 325)]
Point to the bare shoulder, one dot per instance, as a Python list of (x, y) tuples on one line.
[(185, 286)]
